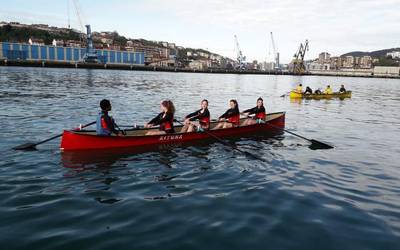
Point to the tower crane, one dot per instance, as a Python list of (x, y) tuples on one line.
[(298, 60), (239, 55), (276, 54)]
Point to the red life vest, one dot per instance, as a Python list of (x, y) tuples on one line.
[(260, 116), (103, 123), (235, 120), (167, 125), (205, 121)]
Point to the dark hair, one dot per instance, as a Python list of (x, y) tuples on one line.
[(105, 104), (260, 99), (235, 102), (205, 100), (169, 105), (300, 84), (329, 86)]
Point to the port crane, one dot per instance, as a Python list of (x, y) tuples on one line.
[(276, 54), (298, 60), (90, 55), (239, 55)]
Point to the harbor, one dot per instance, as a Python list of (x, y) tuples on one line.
[(133, 192), (216, 125)]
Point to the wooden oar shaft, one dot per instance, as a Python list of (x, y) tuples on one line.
[(59, 135), (33, 145), (227, 144), (323, 145)]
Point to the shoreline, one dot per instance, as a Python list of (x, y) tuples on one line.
[(8, 63)]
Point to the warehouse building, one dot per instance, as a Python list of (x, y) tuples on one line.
[(48, 53)]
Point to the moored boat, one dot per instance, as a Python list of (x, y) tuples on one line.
[(88, 140), (296, 95)]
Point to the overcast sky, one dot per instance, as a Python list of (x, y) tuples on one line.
[(335, 26)]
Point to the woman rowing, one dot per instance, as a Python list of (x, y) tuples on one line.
[(231, 118), (199, 119), (258, 112), (165, 119)]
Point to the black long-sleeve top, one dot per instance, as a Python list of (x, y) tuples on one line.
[(198, 115), (229, 113), (159, 119), (255, 110)]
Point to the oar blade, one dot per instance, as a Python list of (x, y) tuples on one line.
[(315, 145), (26, 146)]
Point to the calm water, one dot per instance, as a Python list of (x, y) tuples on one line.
[(199, 197)]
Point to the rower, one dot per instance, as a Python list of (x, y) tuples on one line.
[(258, 111), (342, 89), (231, 118), (308, 90), (199, 119), (105, 124), (318, 91), (165, 119), (328, 90), (299, 89)]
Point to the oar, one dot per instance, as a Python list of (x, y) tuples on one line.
[(31, 145), (226, 143), (285, 94), (314, 143)]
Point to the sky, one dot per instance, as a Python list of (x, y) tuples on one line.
[(334, 26)]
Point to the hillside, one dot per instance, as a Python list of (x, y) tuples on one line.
[(16, 32), (374, 54), (9, 33)]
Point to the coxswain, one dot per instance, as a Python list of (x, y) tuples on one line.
[(342, 89), (299, 89), (199, 119), (308, 90), (258, 112), (165, 120), (231, 118), (105, 124), (328, 90)]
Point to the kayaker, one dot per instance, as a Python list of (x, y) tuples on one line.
[(299, 89), (318, 91), (199, 119), (342, 89), (328, 90), (231, 118), (165, 119), (105, 124), (308, 90), (258, 112)]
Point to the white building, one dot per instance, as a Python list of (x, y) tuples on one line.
[(57, 42), (394, 54), (386, 71)]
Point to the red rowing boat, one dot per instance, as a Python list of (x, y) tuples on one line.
[(137, 138)]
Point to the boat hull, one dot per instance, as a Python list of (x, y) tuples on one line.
[(295, 95), (86, 140)]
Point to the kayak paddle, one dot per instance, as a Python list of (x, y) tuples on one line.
[(32, 146)]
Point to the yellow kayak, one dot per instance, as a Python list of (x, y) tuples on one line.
[(296, 95)]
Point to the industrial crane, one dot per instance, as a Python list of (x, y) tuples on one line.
[(90, 55), (239, 55), (276, 54), (298, 60)]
